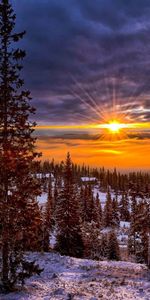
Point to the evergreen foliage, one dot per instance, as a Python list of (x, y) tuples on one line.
[(18, 187), (48, 217), (108, 217), (69, 237), (113, 247)]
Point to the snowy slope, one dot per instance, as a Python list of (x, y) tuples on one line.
[(69, 278)]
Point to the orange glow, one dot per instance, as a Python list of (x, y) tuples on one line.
[(145, 125), (122, 154), (113, 143)]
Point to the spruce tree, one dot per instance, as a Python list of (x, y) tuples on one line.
[(104, 246), (99, 210), (33, 235), (113, 247), (91, 240), (115, 212), (48, 215), (96, 212), (69, 237), (133, 226), (89, 204), (108, 221), (18, 186), (124, 208)]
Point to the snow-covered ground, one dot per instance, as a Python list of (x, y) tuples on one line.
[(103, 195), (67, 278), (42, 198)]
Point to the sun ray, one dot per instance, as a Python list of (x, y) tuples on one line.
[(86, 93), (97, 109), (86, 103)]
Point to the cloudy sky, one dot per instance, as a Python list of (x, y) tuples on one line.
[(83, 58)]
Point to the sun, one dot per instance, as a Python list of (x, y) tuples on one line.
[(114, 126)]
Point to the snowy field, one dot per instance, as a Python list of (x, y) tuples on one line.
[(67, 278), (102, 196)]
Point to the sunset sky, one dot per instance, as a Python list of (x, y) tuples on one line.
[(88, 65)]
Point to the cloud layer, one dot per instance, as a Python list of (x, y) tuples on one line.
[(82, 50)]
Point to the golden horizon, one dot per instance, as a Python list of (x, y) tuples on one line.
[(144, 125)]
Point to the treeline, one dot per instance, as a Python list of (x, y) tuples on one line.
[(138, 182)]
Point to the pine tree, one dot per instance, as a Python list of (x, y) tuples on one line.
[(139, 231), (115, 212), (33, 235), (113, 247), (69, 237), (124, 208), (108, 222), (104, 246), (141, 252), (99, 208), (82, 204), (55, 195), (18, 186), (91, 240), (97, 212), (89, 204), (133, 226), (48, 215)]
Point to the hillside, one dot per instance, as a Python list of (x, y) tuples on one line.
[(67, 278)]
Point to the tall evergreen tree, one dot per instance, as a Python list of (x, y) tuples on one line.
[(48, 215), (69, 237), (115, 212), (124, 208), (33, 234), (104, 246), (99, 210), (91, 240), (113, 247), (133, 226), (96, 212), (18, 186), (108, 220), (82, 204)]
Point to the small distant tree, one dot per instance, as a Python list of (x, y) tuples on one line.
[(17, 185)]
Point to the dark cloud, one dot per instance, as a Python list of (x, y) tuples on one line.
[(67, 136), (62, 137), (92, 42)]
